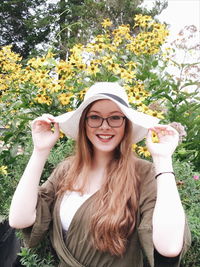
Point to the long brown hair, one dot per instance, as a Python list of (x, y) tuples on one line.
[(115, 204)]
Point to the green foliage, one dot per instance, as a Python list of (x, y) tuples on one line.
[(189, 188), (27, 24), (30, 259), (10, 156), (17, 25)]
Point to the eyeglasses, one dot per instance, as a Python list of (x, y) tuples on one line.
[(95, 121)]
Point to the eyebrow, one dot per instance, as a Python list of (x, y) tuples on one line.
[(112, 112)]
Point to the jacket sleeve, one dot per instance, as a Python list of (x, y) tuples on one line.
[(34, 234), (146, 207), (46, 199), (148, 192)]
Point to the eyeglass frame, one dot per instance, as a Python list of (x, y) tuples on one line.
[(106, 119)]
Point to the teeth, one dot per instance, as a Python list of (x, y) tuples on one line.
[(105, 136)]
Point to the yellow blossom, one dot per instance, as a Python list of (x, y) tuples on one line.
[(43, 99), (92, 69), (131, 65), (142, 108), (64, 98), (142, 150), (155, 113), (61, 134), (154, 137), (63, 66), (106, 23), (136, 97), (134, 147), (81, 94), (54, 87), (114, 67), (3, 170)]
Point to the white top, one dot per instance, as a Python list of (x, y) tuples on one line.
[(69, 205)]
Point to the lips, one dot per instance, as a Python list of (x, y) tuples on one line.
[(105, 137)]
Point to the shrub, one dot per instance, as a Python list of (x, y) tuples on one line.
[(189, 188)]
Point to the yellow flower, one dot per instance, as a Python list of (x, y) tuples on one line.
[(106, 23), (142, 108), (107, 59), (136, 98), (61, 134), (64, 98), (101, 38), (142, 20), (127, 75), (81, 94), (155, 113), (114, 67), (142, 150), (131, 65), (93, 69), (63, 66), (134, 147), (154, 137), (54, 87), (43, 99), (81, 66), (3, 170)]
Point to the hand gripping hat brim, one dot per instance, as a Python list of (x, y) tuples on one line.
[(69, 122)]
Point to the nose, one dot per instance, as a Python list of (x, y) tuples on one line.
[(105, 125)]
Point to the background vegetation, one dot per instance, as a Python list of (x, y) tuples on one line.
[(63, 48)]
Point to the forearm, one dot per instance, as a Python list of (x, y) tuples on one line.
[(23, 205), (168, 216)]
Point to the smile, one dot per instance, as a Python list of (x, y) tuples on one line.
[(104, 137)]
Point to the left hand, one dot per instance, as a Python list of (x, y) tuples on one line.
[(168, 141)]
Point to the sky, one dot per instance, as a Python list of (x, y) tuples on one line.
[(178, 14)]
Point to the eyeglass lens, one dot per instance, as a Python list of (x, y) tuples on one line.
[(95, 121)]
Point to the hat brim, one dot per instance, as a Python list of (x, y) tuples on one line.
[(69, 122)]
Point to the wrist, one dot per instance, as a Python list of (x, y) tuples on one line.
[(164, 173), (163, 164), (41, 153)]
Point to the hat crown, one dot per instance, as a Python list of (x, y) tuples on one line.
[(107, 88)]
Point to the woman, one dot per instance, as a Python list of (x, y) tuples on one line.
[(103, 205)]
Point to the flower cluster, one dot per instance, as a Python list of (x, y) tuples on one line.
[(45, 83)]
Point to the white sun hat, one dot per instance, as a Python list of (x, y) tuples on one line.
[(69, 122)]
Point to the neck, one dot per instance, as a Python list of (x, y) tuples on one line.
[(101, 160), (97, 172)]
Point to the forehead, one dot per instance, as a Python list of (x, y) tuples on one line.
[(104, 106)]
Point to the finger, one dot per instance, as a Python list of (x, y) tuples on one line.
[(42, 120), (149, 137), (163, 130), (48, 116)]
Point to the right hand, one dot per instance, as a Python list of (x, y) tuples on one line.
[(43, 136)]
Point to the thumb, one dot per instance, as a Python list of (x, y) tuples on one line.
[(149, 137)]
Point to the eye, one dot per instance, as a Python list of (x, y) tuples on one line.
[(115, 118), (94, 117)]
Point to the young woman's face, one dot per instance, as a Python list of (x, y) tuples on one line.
[(104, 138)]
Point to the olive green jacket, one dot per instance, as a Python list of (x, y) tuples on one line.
[(75, 250)]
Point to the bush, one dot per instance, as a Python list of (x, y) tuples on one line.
[(189, 187)]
